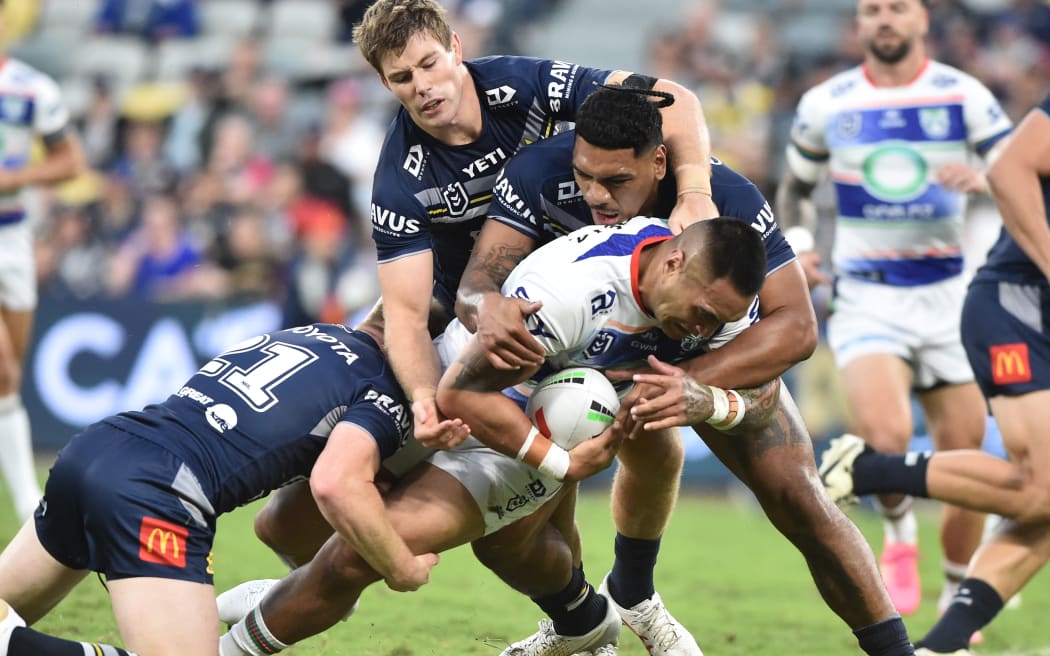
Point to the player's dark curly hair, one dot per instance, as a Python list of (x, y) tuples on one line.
[(616, 117), (731, 248)]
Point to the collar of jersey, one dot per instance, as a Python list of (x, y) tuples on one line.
[(635, 258), (922, 70)]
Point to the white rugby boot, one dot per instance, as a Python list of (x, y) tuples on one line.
[(235, 604), (546, 642), (836, 468), (654, 625)]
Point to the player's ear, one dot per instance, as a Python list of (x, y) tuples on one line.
[(674, 263), (457, 48), (660, 161)]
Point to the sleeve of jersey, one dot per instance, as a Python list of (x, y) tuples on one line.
[(516, 197), (986, 122), (51, 118), (382, 425), (749, 205), (807, 154), (400, 225), (564, 87), (558, 325)]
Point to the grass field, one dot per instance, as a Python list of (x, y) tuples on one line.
[(724, 572)]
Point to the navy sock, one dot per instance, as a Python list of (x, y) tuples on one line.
[(29, 642), (889, 473), (885, 638), (631, 578), (973, 606), (576, 609)]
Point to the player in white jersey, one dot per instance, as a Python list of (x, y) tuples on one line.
[(30, 108), (609, 295), (899, 134)]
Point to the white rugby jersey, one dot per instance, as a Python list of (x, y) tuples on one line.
[(883, 146), (592, 315), (30, 105)]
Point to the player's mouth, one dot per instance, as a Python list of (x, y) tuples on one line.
[(604, 218), (431, 107)]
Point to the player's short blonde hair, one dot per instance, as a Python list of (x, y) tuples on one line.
[(388, 25)]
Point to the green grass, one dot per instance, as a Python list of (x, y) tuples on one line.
[(724, 572)]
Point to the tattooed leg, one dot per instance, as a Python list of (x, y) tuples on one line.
[(777, 463)]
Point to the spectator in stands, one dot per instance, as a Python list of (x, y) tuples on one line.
[(153, 20), (157, 260), (352, 140)]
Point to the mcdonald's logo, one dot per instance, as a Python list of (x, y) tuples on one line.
[(1010, 363), (162, 542)]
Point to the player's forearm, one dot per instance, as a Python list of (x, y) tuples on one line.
[(1020, 201), (355, 510), (686, 137), (59, 165), (413, 358), (495, 255), (760, 407), (793, 206), (761, 353)]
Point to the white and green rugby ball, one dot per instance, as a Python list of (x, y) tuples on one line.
[(573, 405)]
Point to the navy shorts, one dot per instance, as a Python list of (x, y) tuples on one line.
[(110, 505), (1006, 334)]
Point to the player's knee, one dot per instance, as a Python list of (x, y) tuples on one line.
[(657, 453)]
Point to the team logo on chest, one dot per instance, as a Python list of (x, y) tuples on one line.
[(14, 108), (849, 124), (935, 122), (456, 198)]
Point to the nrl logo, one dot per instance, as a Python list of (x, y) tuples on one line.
[(456, 198), (849, 124)]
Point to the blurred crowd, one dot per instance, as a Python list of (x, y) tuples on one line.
[(232, 142)]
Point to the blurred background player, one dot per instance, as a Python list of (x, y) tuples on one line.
[(897, 134), (30, 108), (1005, 331)]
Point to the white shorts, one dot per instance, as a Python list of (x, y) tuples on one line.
[(17, 267), (505, 489), (919, 324)]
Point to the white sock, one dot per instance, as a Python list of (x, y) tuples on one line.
[(899, 522), (954, 573), (16, 456), (250, 637)]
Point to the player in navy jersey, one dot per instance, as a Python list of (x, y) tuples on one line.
[(1006, 332), (458, 123), (135, 497), (614, 167)]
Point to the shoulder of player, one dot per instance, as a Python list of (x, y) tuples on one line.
[(546, 158), (19, 72), (945, 77), (837, 88)]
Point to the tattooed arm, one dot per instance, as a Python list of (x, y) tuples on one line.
[(483, 310), (470, 390), (668, 397)]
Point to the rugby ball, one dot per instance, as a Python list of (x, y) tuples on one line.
[(573, 405)]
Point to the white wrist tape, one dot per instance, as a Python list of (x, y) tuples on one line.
[(556, 463), (728, 408), (529, 439), (720, 401)]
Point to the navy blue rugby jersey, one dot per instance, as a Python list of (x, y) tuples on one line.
[(536, 194), (1007, 261), (257, 416), (428, 195)]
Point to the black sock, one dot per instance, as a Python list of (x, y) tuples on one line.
[(29, 642), (576, 609), (885, 638), (973, 606), (889, 473), (631, 578)]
